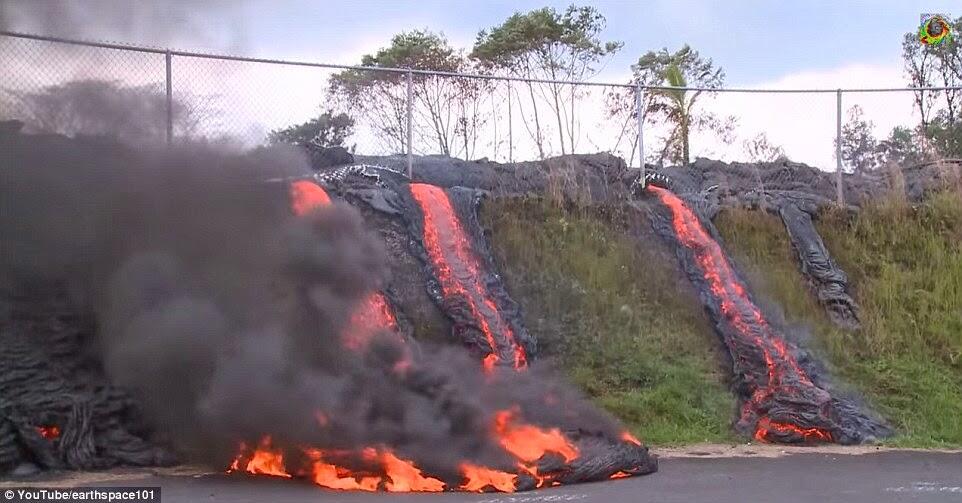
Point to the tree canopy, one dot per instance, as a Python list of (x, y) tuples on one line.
[(682, 68), (551, 45), (325, 130)]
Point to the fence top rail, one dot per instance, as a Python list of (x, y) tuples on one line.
[(174, 52)]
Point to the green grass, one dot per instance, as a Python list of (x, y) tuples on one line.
[(610, 312), (905, 268)]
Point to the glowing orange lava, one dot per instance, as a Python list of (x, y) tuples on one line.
[(628, 437), (739, 311), (374, 312), (766, 425), (306, 195), (49, 432), (448, 246), (479, 478), (265, 460), (332, 476), (370, 316), (403, 476), (529, 443)]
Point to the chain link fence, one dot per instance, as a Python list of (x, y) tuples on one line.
[(154, 94)]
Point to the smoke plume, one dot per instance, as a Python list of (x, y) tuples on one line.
[(221, 310), (212, 23)]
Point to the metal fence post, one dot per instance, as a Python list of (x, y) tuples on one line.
[(410, 113), (170, 101), (640, 112), (839, 195), (510, 132)]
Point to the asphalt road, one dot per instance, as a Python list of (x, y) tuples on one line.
[(809, 478)]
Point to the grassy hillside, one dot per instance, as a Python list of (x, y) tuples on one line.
[(612, 315), (905, 265)]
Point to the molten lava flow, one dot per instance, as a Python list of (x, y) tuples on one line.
[(49, 432), (306, 195), (458, 271), (631, 439), (405, 477), (370, 316), (265, 460), (766, 426), (783, 371), (529, 443), (479, 478), (391, 473), (373, 313), (335, 477)]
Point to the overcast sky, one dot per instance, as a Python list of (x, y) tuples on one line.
[(819, 43), (755, 41)]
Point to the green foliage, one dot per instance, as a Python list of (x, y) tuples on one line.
[(940, 111), (945, 136), (417, 50), (903, 147), (547, 44), (325, 130), (905, 266), (610, 312), (558, 44), (448, 108), (860, 150), (930, 66), (682, 68)]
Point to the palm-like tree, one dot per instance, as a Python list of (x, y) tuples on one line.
[(680, 105)]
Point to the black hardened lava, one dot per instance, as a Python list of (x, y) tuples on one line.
[(828, 280), (56, 408), (785, 396)]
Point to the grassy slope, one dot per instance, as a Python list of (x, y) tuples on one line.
[(612, 316), (905, 265)]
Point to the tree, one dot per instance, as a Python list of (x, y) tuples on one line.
[(935, 66), (546, 44), (677, 107), (902, 147), (445, 108), (760, 149), (859, 147), (325, 130), (945, 136), (104, 107)]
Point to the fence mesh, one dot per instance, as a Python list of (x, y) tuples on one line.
[(67, 88)]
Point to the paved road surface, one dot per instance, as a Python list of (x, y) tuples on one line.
[(808, 478)]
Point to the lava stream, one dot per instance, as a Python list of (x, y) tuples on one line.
[(306, 196), (374, 312), (386, 471), (458, 271), (784, 375)]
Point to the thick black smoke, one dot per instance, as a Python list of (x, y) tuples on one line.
[(222, 311), (170, 22)]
